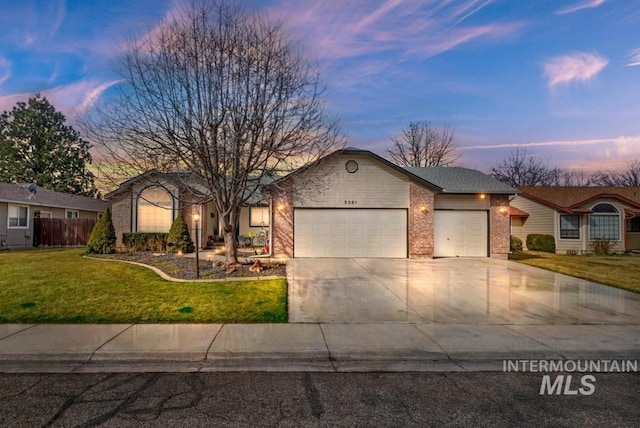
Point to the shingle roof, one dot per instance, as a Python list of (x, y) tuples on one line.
[(19, 193), (517, 212), (573, 197), (189, 182), (461, 180)]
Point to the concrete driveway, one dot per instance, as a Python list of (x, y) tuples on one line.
[(449, 291)]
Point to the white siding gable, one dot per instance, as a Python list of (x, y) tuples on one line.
[(541, 219), (373, 185)]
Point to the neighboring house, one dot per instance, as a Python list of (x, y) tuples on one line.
[(151, 201), (361, 205), (577, 215), (19, 206)]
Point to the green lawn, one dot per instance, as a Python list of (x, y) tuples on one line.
[(60, 286), (621, 271)]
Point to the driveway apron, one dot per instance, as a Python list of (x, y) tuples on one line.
[(449, 291)]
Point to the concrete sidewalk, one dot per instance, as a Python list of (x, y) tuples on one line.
[(303, 347)]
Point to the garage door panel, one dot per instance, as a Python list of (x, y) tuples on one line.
[(350, 233), (460, 233)]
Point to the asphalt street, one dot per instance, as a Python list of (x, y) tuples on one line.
[(310, 399)]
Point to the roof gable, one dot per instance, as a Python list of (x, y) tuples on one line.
[(450, 180), (572, 199)]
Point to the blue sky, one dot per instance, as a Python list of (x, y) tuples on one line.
[(558, 78)]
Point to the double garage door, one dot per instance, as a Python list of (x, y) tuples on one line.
[(350, 233), (383, 233)]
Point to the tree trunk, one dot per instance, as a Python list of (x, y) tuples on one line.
[(230, 246)]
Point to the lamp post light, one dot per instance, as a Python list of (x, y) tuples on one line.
[(196, 218)]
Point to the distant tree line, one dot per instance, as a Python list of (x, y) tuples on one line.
[(423, 145), (522, 169)]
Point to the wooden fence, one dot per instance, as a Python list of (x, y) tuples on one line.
[(62, 232)]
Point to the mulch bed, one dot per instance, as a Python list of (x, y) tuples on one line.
[(185, 267)]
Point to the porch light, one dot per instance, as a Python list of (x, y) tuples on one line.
[(483, 196), (503, 211), (423, 209), (281, 208)]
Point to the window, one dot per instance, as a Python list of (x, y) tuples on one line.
[(18, 217), (633, 224), (258, 216), (605, 223), (72, 213), (155, 210), (570, 226)]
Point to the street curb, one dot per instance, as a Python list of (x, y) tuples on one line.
[(275, 362)]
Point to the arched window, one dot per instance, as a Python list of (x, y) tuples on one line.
[(604, 208), (155, 210), (604, 223)]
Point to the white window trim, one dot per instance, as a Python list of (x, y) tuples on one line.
[(616, 214), (171, 208), (579, 238), (66, 214), (9, 217)]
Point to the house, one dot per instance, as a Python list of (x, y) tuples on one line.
[(577, 215), (21, 203), (352, 203), (361, 205), (150, 202)]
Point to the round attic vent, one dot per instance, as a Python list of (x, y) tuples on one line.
[(351, 166)]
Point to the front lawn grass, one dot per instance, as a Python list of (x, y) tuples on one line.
[(621, 271), (60, 286)]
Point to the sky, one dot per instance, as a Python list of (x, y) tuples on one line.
[(559, 79)]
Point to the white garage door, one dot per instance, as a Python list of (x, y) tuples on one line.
[(460, 233), (350, 233)]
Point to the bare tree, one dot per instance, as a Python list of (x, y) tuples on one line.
[(223, 94), (423, 145), (571, 178), (520, 169), (630, 177)]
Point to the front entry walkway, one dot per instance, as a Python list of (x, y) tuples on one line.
[(449, 291)]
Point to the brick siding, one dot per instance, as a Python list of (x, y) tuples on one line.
[(420, 223)]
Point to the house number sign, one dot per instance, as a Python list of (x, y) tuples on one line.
[(346, 202)]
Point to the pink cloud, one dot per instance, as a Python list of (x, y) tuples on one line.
[(338, 29), (587, 155), (588, 4), (72, 100), (580, 66)]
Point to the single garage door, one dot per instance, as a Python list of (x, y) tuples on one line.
[(350, 233), (460, 233)]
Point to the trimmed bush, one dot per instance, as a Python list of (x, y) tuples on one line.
[(179, 236), (145, 241), (103, 236), (515, 243), (539, 242)]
